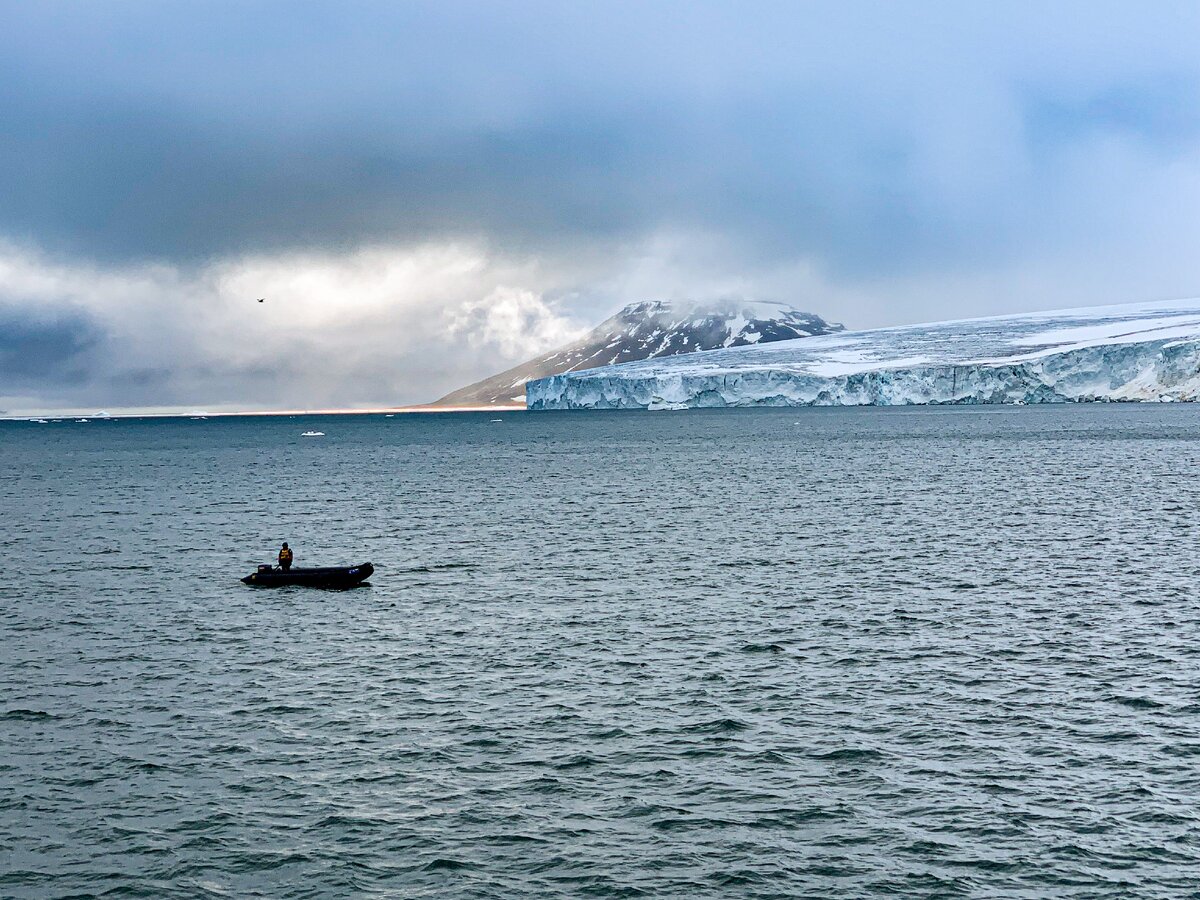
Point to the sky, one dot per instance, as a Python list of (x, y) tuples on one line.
[(426, 193)]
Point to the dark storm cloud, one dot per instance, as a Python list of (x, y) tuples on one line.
[(45, 351), (862, 135), (123, 184)]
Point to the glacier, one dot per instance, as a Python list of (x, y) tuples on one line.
[(1132, 352)]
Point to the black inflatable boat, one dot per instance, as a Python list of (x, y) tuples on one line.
[(331, 577)]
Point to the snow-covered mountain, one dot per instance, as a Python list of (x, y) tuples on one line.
[(1145, 351), (649, 331)]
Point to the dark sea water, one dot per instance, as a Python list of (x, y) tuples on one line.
[(816, 653)]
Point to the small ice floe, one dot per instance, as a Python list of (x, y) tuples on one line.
[(40, 421), (83, 420), (389, 415), (313, 434), (497, 420)]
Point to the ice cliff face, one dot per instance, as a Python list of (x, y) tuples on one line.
[(1145, 351), (651, 330)]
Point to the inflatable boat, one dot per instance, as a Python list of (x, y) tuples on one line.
[(330, 577)]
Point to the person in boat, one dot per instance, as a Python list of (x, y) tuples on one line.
[(285, 557)]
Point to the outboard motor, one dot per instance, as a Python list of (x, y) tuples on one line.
[(264, 568)]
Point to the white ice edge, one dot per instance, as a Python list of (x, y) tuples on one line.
[(1143, 351)]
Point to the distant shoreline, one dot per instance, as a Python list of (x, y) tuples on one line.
[(392, 410)]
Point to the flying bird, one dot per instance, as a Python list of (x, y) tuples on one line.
[(261, 299)]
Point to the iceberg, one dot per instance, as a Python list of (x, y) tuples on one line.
[(1132, 352)]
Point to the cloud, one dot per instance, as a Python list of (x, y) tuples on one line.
[(409, 324), (510, 320), (881, 139), (36, 349), (429, 191)]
